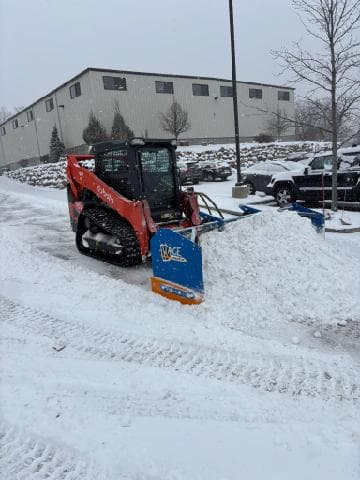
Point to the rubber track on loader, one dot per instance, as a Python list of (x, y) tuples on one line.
[(109, 222)]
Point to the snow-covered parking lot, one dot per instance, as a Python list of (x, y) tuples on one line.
[(102, 379)]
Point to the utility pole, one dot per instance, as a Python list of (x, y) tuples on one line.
[(240, 190)]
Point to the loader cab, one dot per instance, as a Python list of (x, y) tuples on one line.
[(142, 169)]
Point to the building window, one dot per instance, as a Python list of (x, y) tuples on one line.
[(226, 91), (30, 115), (255, 93), (283, 95), (75, 90), (200, 90), (15, 123), (164, 87), (114, 83), (3, 131), (49, 104)]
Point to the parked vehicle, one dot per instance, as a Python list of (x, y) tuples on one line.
[(313, 182), (190, 172), (213, 170), (355, 163), (259, 175)]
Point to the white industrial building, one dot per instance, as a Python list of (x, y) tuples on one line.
[(25, 137)]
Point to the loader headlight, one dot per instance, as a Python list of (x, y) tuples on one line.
[(173, 142)]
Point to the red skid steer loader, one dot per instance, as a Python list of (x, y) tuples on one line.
[(126, 204)]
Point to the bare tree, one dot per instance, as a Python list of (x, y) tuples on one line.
[(278, 124), (304, 126), (335, 69), (313, 120), (4, 114), (175, 120)]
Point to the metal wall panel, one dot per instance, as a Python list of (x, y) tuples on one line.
[(211, 116)]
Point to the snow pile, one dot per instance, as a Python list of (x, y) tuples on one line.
[(275, 266), (44, 175)]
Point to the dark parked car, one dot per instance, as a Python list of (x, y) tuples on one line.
[(314, 182), (189, 173), (212, 171), (259, 175)]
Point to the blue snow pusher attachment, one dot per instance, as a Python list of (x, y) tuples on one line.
[(317, 218), (177, 267), (177, 258)]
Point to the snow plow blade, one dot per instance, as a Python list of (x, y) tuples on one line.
[(177, 258), (177, 267), (317, 218)]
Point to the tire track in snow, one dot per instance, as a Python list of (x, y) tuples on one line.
[(23, 457), (283, 374)]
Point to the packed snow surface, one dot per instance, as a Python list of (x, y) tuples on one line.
[(102, 379)]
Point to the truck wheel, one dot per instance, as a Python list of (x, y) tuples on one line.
[(251, 188), (208, 177), (284, 194)]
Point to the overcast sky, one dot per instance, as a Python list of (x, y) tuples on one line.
[(45, 42)]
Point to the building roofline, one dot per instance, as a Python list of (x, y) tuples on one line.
[(172, 75), (132, 72), (47, 95)]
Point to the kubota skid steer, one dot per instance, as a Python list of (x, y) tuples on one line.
[(129, 205)]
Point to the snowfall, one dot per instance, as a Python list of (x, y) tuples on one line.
[(103, 379)]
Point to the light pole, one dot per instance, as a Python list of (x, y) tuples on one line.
[(240, 190)]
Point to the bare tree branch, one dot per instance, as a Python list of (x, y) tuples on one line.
[(334, 71)]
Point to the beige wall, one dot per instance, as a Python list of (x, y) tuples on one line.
[(210, 116)]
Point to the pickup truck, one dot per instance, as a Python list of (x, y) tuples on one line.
[(313, 182)]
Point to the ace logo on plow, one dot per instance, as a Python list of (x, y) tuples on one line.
[(169, 254)]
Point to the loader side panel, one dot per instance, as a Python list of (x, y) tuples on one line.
[(75, 209), (81, 179)]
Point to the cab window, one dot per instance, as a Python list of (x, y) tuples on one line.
[(155, 161), (322, 163), (115, 161)]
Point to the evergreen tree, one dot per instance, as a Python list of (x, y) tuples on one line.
[(95, 131), (57, 148), (120, 130)]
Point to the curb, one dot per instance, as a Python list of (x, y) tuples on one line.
[(345, 230)]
